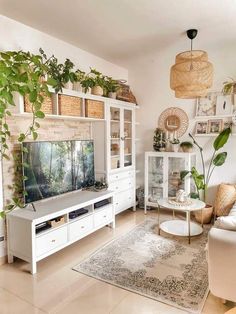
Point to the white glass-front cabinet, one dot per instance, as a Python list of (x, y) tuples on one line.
[(121, 154), (162, 175)]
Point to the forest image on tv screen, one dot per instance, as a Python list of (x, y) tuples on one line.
[(53, 168)]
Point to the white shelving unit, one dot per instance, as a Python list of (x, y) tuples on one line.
[(162, 175)]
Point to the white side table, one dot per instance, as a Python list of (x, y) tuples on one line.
[(184, 228)]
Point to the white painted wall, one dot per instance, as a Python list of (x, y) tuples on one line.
[(149, 78), (17, 36)]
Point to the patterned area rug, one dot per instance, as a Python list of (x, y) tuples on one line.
[(163, 268)]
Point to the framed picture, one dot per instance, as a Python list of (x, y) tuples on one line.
[(224, 105), (201, 127), (206, 106), (215, 126)]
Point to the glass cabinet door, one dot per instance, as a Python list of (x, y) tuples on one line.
[(127, 138), (175, 166), (155, 178), (115, 138)]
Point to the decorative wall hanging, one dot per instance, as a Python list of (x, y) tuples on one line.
[(192, 73), (174, 121)]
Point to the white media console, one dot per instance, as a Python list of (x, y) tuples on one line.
[(31, 246)]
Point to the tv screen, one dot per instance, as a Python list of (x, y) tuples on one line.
[(53, 168)]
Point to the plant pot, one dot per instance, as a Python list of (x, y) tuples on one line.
[(206, 214), (68, 85), (112, 95), (97, 90), (186, 149), (77, 86), (175, 148)]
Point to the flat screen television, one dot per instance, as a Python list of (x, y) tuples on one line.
[(57, 167)]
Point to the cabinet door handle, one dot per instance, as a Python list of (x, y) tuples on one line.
[(104, 216), (117, 177), (82, 227), (53, 240), (117, 203)]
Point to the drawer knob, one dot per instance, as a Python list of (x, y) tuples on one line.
[(53, 240), (82, 227), (104, 216)]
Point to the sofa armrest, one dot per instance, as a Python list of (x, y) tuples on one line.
[(221, 263)]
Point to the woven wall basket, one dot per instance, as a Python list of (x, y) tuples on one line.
[(225, 199), (69, 105), (94, 109)]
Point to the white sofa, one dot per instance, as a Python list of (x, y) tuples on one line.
[(222, 263)]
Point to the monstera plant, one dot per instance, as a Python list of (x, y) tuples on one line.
[(202, 177)]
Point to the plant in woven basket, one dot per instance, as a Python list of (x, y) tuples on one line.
[(202, 179), (186, 146), (229, 87), (92, 80), (111, 86)]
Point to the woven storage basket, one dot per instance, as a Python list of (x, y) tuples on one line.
[(205, 215), (69, 105), (94, 109), (225, 198), (125, 93), (47, 105)]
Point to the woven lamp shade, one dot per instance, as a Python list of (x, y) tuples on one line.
[(192, 74)]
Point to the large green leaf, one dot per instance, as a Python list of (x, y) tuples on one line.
[(222, 139), (219, 159), (183, 174)]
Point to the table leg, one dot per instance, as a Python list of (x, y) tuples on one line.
[(189, 231), (158, 218)]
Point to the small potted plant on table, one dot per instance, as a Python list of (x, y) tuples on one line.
[(111, 87), (94, 80), (187, 147), (175, 145)]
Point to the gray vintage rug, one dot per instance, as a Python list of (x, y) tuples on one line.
[(163, 268)]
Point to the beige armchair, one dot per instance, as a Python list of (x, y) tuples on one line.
[(222, 263)]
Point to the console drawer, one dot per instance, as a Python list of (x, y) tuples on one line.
[(124, 200), (103, 217), (51, 240), (78, 228), (121, 175), (121, 185)]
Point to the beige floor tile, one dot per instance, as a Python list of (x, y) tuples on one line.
[(137, 304), (10, 304)]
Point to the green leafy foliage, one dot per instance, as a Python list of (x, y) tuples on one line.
[(222, 139)]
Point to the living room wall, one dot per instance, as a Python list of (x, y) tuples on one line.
[(16, 36), (149, 77)]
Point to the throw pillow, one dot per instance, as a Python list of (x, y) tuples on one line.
[(225, 198), (227, 222)]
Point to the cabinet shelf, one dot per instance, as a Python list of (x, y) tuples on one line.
[(115, 121)]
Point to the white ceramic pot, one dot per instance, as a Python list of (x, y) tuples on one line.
[(175, 148), (68, 85), (112, 95), (97, 90), (77, 86)]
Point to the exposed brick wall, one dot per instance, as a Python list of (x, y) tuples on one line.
[(50, 130)]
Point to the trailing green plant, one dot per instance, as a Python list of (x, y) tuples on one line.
[(229, 87), (202, 179), (159, 140), (59, 73), (92, 79), (186, 144)]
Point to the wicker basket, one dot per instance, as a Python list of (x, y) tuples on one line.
[(47, 105), (124, 93), (205, 215), (69, 105), (94, 109), (225, 198)]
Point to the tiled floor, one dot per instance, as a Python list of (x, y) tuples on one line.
[(58, 289)]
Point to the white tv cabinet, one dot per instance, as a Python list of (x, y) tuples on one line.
[(24, 243)]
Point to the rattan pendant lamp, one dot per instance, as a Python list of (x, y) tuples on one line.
[(192, 74)]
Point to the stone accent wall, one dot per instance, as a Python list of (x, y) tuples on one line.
[(51, 130)]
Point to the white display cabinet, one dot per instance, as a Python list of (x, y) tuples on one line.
[(162, 175)]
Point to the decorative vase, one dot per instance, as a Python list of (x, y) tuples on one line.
[(112, 95), (77, 86), (68, 85), (204, 215), (97, 90), (175, 148)]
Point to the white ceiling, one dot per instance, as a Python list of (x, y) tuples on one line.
[(118, 30)]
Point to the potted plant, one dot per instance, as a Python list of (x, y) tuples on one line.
[(187, 147), (111, 87), (159, 141), (175, 145), (229, 87), (202, 179), (94, 80), (80, 75)]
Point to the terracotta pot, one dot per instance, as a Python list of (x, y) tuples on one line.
[(206, 214), (112, 95), (186, 149), (97, 90)]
